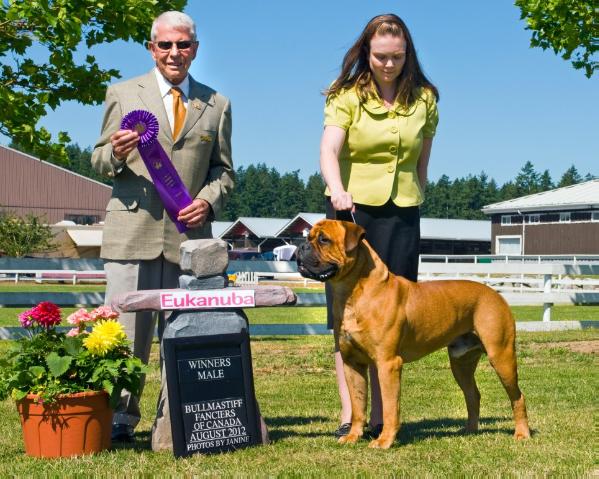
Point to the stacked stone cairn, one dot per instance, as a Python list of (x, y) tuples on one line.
[(204, 265)]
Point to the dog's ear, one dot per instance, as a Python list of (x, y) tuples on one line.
[(353, 235)]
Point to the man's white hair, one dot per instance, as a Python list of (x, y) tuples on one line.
[(176, 20)]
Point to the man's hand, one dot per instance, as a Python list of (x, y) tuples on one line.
[(196, 214), (123, 142)]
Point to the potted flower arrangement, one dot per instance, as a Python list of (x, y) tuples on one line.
[(66, 384)]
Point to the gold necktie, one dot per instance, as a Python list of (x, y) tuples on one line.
[(178, 111)]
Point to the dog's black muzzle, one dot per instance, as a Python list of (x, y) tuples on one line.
[(309, 265)]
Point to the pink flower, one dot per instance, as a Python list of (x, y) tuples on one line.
[(103, 312), (73, 332), (46, 314), (79, 317), (26, 318)]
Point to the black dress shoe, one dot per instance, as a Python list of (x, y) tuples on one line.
[(343, 430), (122, 433), (373, 432)]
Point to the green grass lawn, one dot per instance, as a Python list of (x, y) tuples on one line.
[(296, 389), (32, 287)]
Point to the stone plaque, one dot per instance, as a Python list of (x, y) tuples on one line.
[(211, 393)]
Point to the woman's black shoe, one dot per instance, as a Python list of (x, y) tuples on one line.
[(343, 430)]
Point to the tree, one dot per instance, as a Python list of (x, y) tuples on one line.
[(568, 27), (80, 162), (22, 236), (257, 194), (528, 180), (570, 177), (437, 198), (292, 195), (29, 86), (508, 191), (545, 181), (315, 194)]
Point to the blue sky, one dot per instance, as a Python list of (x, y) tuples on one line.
[(502, 103)]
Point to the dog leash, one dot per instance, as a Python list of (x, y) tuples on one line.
[(351, 214)]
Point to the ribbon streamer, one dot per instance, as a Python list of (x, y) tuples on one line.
[(167, 181)]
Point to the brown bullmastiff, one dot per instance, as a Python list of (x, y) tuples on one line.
[(387, 320)]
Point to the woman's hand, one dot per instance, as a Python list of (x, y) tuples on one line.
[(342, 200)]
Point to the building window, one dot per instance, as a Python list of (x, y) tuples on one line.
[(564, 217), (534, 219), (82, 219), (595, 216), (506, 220)]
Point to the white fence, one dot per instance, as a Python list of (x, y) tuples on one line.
[(531, 280), (504, 258), (53, 275)]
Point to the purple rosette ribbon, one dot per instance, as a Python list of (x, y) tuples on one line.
[(167, 181)]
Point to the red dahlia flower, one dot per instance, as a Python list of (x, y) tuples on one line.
[(46, 314)]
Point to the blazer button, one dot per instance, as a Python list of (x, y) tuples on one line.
[(391, 114), (393, 149), (394, 129), (391, 168)]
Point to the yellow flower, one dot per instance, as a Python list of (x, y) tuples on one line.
[(105, 336)]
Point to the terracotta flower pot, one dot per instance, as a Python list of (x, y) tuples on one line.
[(74, 425)]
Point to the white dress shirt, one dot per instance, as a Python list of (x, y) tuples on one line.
[(165, 90)]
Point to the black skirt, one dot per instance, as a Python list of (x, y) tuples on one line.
[(392, 231)]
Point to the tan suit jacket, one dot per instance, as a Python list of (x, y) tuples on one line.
[(136, 225)]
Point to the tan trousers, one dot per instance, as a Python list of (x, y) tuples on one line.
[(134, 275)]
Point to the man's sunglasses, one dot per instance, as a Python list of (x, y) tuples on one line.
[(166, 46)]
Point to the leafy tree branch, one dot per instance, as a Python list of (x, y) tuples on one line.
[(30, 85), (568, 27)]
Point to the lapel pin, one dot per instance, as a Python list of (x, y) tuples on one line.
[(197, 104)]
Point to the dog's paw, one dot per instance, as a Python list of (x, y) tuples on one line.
[(349, 439), (381, 443), (520, 434)]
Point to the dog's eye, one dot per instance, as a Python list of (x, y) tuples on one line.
[(323, 239)]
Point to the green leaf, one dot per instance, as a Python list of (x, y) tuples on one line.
[(17, 394), (108, 386), (58, 365), (37, 371), (73, 346)]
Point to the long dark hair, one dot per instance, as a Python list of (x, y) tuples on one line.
[(355, 70)]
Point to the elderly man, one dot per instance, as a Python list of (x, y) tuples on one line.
[(141, 244)]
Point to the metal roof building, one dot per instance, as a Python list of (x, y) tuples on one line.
[(219, 227), (439, 236), (582, 196), (31, 186), (254, 234), (560, 221)]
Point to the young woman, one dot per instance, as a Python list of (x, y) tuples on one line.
[(380, 119)]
